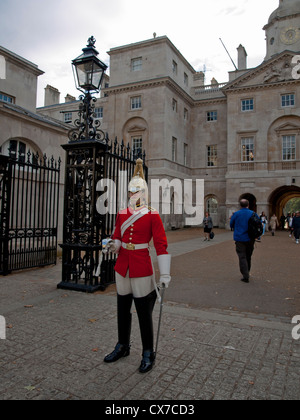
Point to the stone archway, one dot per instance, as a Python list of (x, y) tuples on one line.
[(280, 197), (252, 201)]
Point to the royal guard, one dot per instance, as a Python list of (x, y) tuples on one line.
[(135, 227)]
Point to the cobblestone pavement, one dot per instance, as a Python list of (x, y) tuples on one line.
[(56, 341)]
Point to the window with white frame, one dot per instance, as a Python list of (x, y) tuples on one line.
[(247, 105), (6, 98), (288, 147), (174, 149), (19, 150), (185, 114), (136, 64), (137, 145), (288, 100), (247, 149), (68, 117), (212, 116), (136, 102), (174, 105), (212, 206), (99, 112), (212, 155)]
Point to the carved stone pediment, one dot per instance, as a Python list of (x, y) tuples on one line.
[(136, 128), (276, 70), (288, 127)]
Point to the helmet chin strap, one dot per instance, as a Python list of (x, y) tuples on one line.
[(134, 201)]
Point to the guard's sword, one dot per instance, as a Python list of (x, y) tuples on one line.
[(160, 317)]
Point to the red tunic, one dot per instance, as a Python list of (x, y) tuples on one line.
[(138, 262)]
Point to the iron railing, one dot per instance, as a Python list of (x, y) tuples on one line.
[(29, 212)]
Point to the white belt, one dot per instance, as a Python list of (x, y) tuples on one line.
[(133, 247)]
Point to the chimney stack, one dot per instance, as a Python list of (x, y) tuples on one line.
[(52, 96), (242, 58)]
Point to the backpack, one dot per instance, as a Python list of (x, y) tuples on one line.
[(255, 227)]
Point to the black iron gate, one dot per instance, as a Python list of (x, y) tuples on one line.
[(97, 173), (29, 199)]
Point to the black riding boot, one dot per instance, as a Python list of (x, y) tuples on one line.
[(144, 307), (122, 349)]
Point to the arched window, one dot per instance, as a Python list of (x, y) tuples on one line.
[(19, 150), (212, 207)]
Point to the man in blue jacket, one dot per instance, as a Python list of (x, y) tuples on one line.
[(296, 227), (244, 245)]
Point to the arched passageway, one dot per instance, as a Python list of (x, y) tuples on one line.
[(280, 197)]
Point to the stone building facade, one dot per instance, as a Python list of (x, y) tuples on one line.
[(241, 137), (23, 131)]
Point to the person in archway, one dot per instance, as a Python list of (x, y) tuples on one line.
[(282, 221), (274, 224), (244, 244), (208, 226), (296, 226)]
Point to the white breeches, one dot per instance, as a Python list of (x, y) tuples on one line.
[(138, 287)]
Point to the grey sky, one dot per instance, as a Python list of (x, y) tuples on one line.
[(51, 34)]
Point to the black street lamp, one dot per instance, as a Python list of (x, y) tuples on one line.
[(88, 73), (86, 158), (88, 69)]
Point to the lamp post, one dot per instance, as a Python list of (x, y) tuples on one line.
[(88, 73), (85, 166)]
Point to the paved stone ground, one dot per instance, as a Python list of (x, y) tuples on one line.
[(214, 345)]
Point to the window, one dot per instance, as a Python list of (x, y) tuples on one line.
[(185, 114), (136, 64), (174, 149), (20, 151), (288, 100), (186, 79), (212, 116), (174, 105), (99, 112), (136, 102), (6, 98), (212, 156), (247, 105), (288, 148), (137, 146), (174, 67), (185, 153), (248, 149), (68, 117), (212, 206)]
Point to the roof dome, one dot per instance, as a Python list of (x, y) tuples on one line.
[(286, 8)]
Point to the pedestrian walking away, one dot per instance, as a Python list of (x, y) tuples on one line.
[(296, 226), (244, 244), (208, 226), (274, 224), (135, 280), (264, 221)]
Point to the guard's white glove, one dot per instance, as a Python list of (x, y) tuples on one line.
[(112, 246), (164, 265)]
